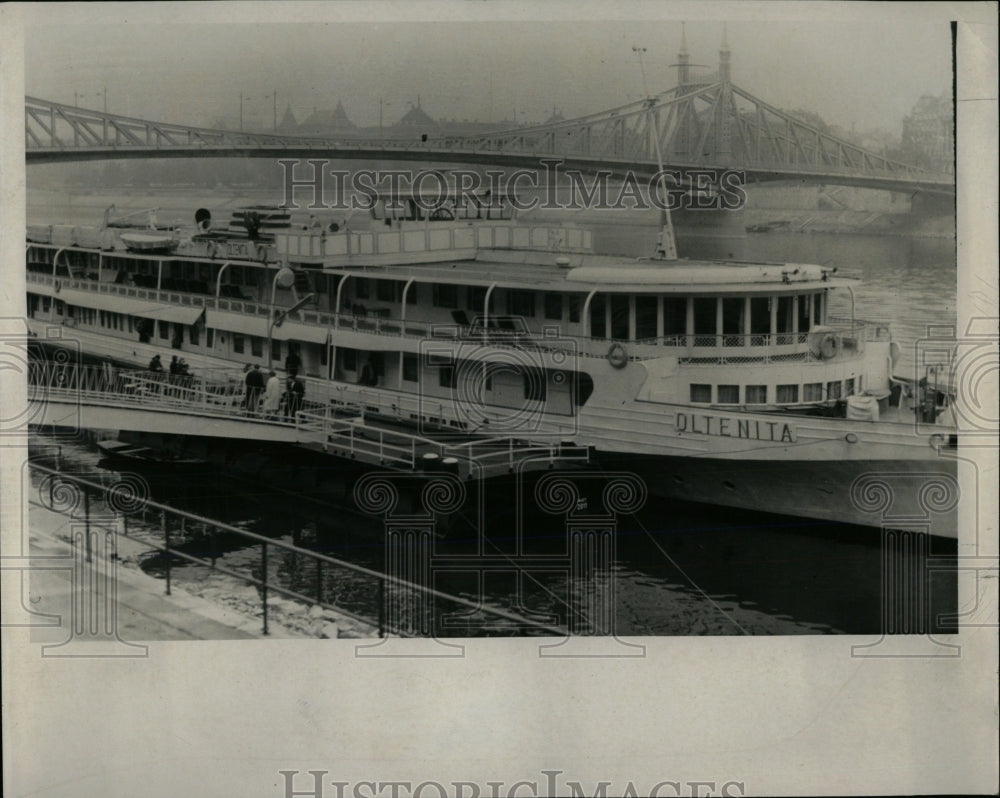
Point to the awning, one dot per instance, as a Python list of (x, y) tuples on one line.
[(115, 303), (257, 325), (236, 323), (293, 331)]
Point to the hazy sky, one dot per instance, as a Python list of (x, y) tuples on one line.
[(866, 67)]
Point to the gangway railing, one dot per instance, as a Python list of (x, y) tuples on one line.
[(222, 393), (340, 426), (194, 539), (510, 450), (354, 436)]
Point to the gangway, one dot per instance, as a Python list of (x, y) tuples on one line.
[(213, 404)]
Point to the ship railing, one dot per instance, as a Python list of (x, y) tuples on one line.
[(315, 246), (376, 320), (510, 451), (219, 393), (385, 603), (866, 330), (353, 437)]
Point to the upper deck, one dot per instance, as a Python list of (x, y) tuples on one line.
[(584, 273)]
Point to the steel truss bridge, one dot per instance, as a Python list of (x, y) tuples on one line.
[(712, 125)]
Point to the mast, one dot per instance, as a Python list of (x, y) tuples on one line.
[(666, 244)]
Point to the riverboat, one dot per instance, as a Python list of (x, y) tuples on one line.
[(731, 383)]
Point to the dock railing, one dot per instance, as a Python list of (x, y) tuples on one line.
[(196, 540)]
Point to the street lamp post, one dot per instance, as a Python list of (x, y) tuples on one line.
[(286, 277)]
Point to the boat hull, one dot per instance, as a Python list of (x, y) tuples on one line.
[(917, 495)]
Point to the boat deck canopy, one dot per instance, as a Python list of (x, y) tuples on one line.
[(585, 273), (115, 303)]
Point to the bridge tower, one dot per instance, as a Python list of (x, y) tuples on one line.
[(683, 63), (687, 123), (723, 118)]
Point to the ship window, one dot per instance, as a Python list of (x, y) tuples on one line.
[(804, 313), (574, 309), (238, 344), (388, 290), (849, 387), (756, 394), (69, 311), (597, 317), (46, 304), (732, 317), (645, 318), (60, 306), (833, 390), (860, 390), (164, 329), (729, 394), (209, 337), (788, 394), (674, 315), (236, 275), (445, 296), (361, 288), (701, 393), (323, 355), (760, 317), (192, 334), (818, 309), (784, 314), (477, 298), (521, 303), (704, 315), (256, 346), (812, 392), (350, 359), (446, 376), (410, 367), (377, 362), (534, 385), (553, 306), (275, 350), (619, 317)]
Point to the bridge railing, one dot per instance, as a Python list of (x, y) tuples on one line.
[(387, 603)]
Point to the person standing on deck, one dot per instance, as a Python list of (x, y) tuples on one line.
[(295, 396), (293, 362), (255, 387), (272, 396)]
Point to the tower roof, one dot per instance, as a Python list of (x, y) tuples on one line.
[(288, 121), (416, 117)]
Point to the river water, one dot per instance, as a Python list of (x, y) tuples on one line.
[(679, 568)]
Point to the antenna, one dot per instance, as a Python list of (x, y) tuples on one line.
[(666, 244)]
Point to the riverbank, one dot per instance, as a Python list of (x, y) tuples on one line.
[(203, 604)]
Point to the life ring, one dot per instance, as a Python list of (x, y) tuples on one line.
[(617, 356), (829, 346)]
